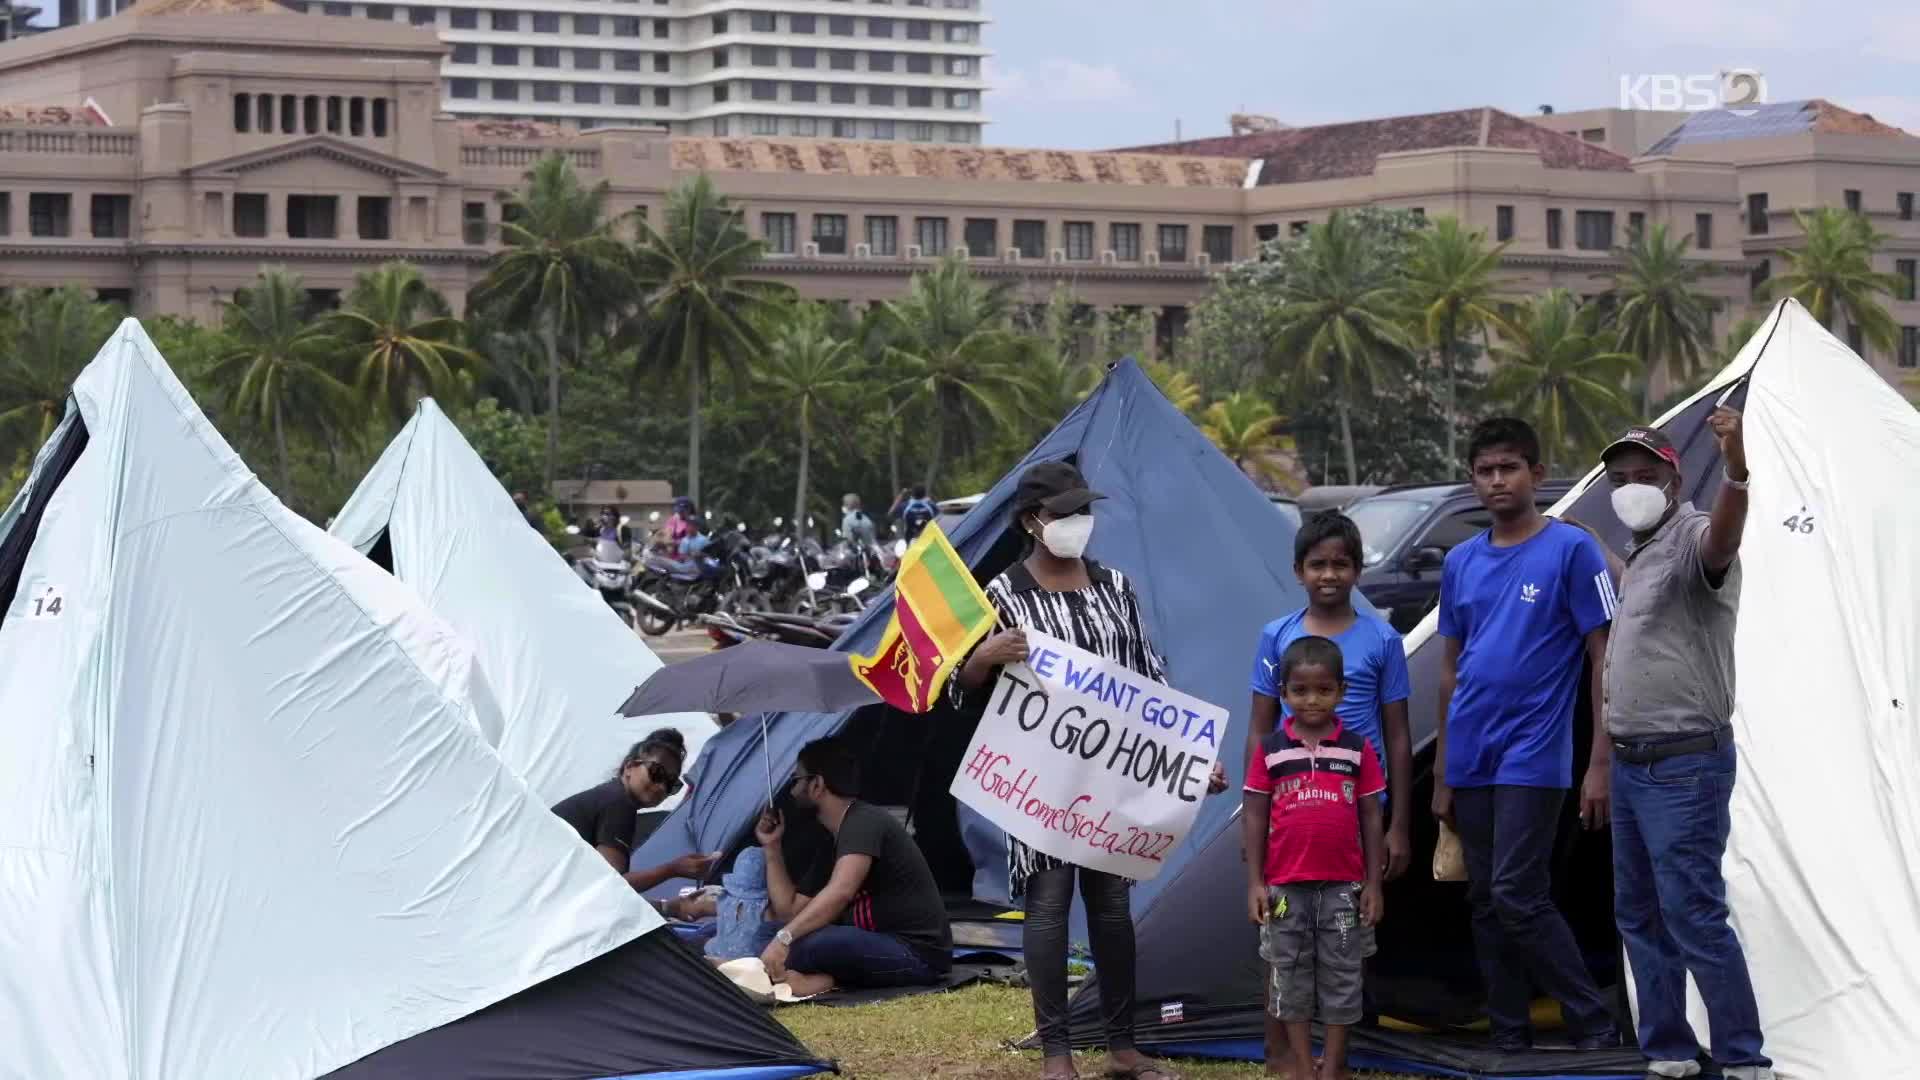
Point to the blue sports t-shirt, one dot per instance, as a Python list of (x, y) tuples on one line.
[(1375, 661), (1521, 615)]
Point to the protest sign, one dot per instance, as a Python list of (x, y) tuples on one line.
[(1087, 761)]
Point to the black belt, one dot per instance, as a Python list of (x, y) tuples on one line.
[(1640, 753)]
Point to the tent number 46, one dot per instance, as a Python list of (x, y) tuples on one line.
[(1801, 523), (48, 603)]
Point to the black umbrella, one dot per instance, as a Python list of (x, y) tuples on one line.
[(757, 676)]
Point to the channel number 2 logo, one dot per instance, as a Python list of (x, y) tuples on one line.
[(47, 602)]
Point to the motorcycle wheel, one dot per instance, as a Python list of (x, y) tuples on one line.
[(749, 599), (654, 624)]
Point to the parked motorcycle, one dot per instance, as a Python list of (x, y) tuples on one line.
[(673, 591), (608, 569), (728, 630)]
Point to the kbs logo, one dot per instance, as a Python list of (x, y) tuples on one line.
[(1734, 90)]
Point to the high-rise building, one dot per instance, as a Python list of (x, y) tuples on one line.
[(879, 69)]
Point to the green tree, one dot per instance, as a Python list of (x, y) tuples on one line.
[(1336, 327), (399, 341), (273, 362), (700, 305), (1832, 275), (563, 270), (960, 357), (1246, 428), (807, 370), (1563, 373), (1448, 284), (46, 337), (1658, 315)]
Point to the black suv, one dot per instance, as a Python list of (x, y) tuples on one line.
[(1407, 531)]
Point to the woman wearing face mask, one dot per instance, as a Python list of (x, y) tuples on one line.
[(1058, 592), (604, 815)]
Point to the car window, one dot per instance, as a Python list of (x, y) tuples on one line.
[(1457, 528), (1384, 521)]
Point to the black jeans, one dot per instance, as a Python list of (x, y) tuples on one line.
[(1109, 923), (1520, 938)]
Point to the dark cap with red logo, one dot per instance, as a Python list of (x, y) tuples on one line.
[(1652, 440)]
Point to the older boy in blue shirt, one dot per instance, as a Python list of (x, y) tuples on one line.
[(1520, 606)]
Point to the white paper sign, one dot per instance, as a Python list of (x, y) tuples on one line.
[(1087, 761)]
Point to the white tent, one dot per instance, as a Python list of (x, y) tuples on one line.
[(247, 826), (558, 659)]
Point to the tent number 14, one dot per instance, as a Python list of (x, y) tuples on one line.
[(1801, 523), (48, 603)]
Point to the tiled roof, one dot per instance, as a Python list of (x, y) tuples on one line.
[(1340, 151), (1774, 119), (208, 7), (833, 157), (50, 116), (511, 129)]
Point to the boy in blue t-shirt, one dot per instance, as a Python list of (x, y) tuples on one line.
[(1327, 558), (1521, 605)]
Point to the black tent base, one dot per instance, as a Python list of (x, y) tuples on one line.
[(1435, 1055)]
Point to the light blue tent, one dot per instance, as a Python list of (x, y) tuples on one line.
[(1210, 556)]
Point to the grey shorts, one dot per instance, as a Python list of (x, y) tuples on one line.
[(1313, 944)]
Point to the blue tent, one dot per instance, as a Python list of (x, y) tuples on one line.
[(1213, 563)]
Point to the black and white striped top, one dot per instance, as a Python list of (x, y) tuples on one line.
[(1104, 619)]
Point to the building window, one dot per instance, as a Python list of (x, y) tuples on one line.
[(1264, 233), (546, 92), (762, 22), (880, 28), (49, 214), (662, 63), (626, 95), (763, 125), (806, 125), (880, 95), (376, 217), (840, 25), (312, 217), (719, 58), (919, 30), (1553, 228), (1757, 280), (960, 65), (1217, 242), (1173, 243), (919, 97), (764, 56), (920, 131), (803, 91), (463, 18), (423, 16), (625, 26), (465, 53), (249, 215), (1703, 232), (1757, 214), (765, 90), (506, 56), (1299, 228), (1124, 238), (586, 93), (473, 222), (1852, 197), (546, 56), (720, 93), (778, 231), (112, 217), (883, 129), (1502, 223), (661, 29), (1594, 135), (504, 20), (589, 60), (719, 24), (334, 116), (357, 117), (845, 129), (662, 97), (840, 60), (1904, 269), (959, 34), (1909, 346), (243, 113), (931, 234), (289, 114), (840, 94), (830, 233), (982, 237), (803, 58), (587, 25), (959, 99), (1593, 230), (463, 88), (506, 90), (1904, 203), (919, 64), (6, 213), (1636, 224), (546, 22), (1030, 239), (800, 24), (1078, 238), (880, 61), (883, 235)]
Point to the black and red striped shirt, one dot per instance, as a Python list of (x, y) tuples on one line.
[(1313, 824)]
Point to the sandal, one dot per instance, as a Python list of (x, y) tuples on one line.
[(1146, 1070)]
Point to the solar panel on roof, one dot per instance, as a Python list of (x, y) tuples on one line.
[(1726, 125)]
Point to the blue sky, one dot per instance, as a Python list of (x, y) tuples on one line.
[(1104, 73)]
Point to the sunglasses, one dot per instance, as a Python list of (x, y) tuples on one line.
[(801, 779), (662, 775)]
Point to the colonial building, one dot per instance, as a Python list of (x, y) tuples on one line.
[(223, 140)]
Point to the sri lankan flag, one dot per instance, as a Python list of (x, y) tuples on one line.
[(939, 613)]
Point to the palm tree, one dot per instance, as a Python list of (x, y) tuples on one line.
[(1178, 385), (1737, 338), (1658, 315), (1563, 373), (806, 368), (272, 358), (1448, 284), (46, 337), (960, 357), (699, 305), (562, 271), (399, 339), (1246, 428), (1336, 326), (1833, 274)]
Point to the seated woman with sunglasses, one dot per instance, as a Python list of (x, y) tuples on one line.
[(605, 815)]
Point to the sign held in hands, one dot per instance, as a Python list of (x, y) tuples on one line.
[(1085, 760)]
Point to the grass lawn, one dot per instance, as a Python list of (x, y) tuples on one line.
[(954, 1035)]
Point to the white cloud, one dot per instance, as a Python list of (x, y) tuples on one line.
[(1060, 81)]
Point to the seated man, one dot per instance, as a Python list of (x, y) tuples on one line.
[(879, 921), (607, 814)]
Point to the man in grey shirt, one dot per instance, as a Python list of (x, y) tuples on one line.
[(1669, 710)]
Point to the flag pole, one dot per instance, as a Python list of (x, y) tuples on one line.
[(766, 755)]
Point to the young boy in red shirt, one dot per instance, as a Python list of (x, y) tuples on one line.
[(1313, 836)]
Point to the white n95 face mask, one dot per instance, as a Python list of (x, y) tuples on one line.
[(1639, 506), (1067, 537)]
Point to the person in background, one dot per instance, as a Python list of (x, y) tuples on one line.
[(681, 525), (528, 513), (1521, 605), (1669, 712), (912, 512), (610, 526), (855, 525), (1311, 833), (879, 921), (604, 815), (1056, 591)]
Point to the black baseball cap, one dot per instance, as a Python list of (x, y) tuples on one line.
[(1055, 486), (1652, 440)]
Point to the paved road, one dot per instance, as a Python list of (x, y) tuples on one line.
[(680, 645)]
